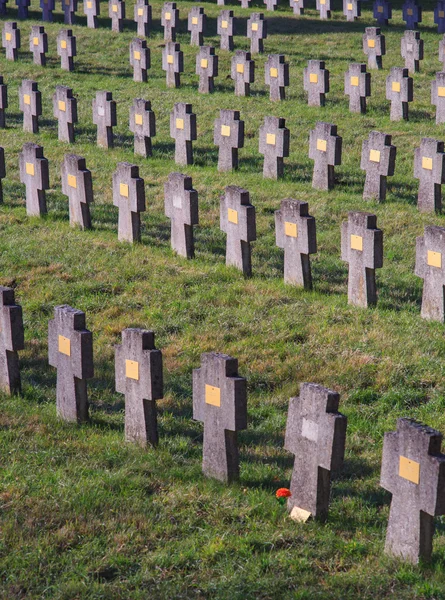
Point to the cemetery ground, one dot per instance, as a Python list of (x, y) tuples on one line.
[(85, 515)]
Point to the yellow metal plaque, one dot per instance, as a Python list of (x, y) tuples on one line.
[(204, 63), (349, 6), (64, 345), (179, 123), (137, 55), (224, 24), (441, 92), (138, 119), (379, 9), (26, 99), (271, 139), (63, 44), (434, 259), (410, 12), (213, 395), (354, 81), (395, 86), (254, 26), (123, 190), (299, 514), (114, 8), (194, 20), (72, 181), (313, 78), (62, 106), (290, 229), (89, 5), (374, 156), (427, 163), (168, 16), (322, 2), (225, 130), (29, 168), (239, 68), (8, 37), (441, 14), (232, 216), (140, 12), (273, 72), (35, 41), (356, 242), (409, 469), (132, 369), (169, 59), (321, 145), (371, 43)]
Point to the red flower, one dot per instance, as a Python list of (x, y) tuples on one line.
[(283, 493)]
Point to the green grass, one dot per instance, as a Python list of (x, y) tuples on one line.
[(85, 515)]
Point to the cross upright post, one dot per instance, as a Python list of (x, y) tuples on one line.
[(316, 82), (242, 72), (357, 87), (104, 116), (129, 197), (325, 148), (181, 207), (430, 266), (143, 125), (34, 173), (38, 45), (228, 134), (142, 17), (77, 184), (183, 131), (65, 111), (11, 341), (378, 160), (429, 169), (238, 221), (206, 68), (274, 146)]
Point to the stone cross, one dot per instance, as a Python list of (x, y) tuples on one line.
[(129, 197), (170, 21), (38, 45), (3, 10), (47, 7), (142, 17), (116, 12), (374, 47), (228, 134), (382, 11), (324, 8), (225, 29), (238, 221), (429, 169), (276, 76), (104, 116), (139, 59), (271, 4), (181, 207), (12, 340), (92, 10), (70, 351), (220, 402), (30, 101), (143, 125), (295, 232), (352, 9), (357, 87), (139, 375), (439, 16), (183, 131), (3, 102), (2, 171), (256, 32), (412, 14), (77, 184), (362, 248), (412, 50), (298, 6), (378, 161), (325, 149), (413, 471), (316, 82), (23, 8), (11, 40), (66, 49), (206, 68), (399, 90), (69, 8), (316, 435), (430, 266), (196, 25), (438, 96), (65, 111), (34, 173), (242, 72), (173, 64), (274, 146)]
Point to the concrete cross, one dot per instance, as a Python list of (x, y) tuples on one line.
[(245, 3), (429, 169), (11, 40), (242, 72), (271, 4), (65, 111), (30, 101), (129, 197), (38, 45), (399, 90), (220, 402), (116, 12), (181, 207), (357, 87), (92, 10), (173, 64), (139, 375), (324, 8), (228, 134), (325, 149), (295, 232), (256, 32), (34, 173), (412, 50), (238, 221), (66, 49), (206, 68), (362, 249), (170, 21), (412, 14), (77, 184), (2, 172), (3, 10), (143, 125), (382, 12), (316, 82), (225, 29), (274, 146), (196, 24), (378, 161), (139, 59), (439, 16), (104, 116), (12, 340), (413, 471), (3, 102), (69, 8), (183, 131), (374, 47), (23, 8), (352, 9), (142, 17), (438, 96), (276, 76), (70, 351), (430, 266), (47, 7), (316, 435), (298, 6)]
